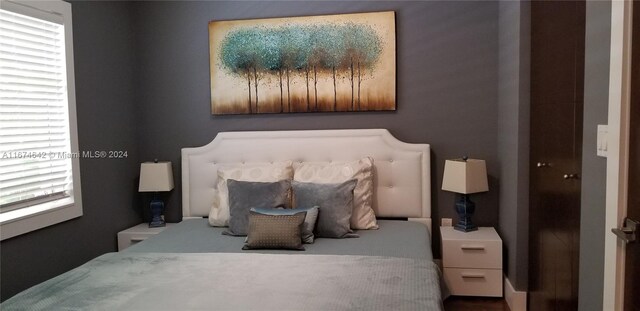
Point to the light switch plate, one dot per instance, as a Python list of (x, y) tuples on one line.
[(602, 140)]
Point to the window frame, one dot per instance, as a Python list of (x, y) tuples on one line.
[(40, 215)]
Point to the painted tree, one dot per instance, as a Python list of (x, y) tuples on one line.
[(237, 60), (314, 57), (301, 38), (294, 39), (331, 47), (272, 56), (369, 47), (362, 49)]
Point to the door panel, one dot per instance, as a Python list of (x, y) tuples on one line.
[(632, 260), (557, 79), (553, 38)]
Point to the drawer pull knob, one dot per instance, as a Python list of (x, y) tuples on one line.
[(138, 239), (472, 276), (472, 247)]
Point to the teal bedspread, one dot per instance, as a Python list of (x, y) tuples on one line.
[(230, 281)]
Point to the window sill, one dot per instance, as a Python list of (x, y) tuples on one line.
[(24, 220)]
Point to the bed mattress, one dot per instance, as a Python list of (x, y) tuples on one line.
[(394, 238)]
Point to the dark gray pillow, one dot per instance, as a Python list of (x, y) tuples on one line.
[(336, 205), (309, 221), (243, 195), (275, 231)]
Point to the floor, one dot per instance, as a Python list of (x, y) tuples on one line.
[(454, 303)]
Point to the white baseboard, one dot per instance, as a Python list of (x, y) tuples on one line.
[(517, 301)]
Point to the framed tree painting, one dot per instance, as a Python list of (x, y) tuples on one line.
[(343, 62)]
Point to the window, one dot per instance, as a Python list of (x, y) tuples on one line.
[(39, 158)]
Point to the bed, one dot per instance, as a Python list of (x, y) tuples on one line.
[(192, 266)]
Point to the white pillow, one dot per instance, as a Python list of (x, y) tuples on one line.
[(363, 216), (257, 172)]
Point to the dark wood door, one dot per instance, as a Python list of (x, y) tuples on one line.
[(632, 260), (557, 79)]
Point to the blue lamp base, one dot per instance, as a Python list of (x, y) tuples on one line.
[(465, 209), (157, 206)]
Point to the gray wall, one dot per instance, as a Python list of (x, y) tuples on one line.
[(447, 84), (106, 121), (513, 137), (596, 97)]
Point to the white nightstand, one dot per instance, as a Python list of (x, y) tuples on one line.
[(136, 234), (472, 261)]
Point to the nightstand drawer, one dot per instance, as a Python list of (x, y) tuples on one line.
[(472, 254), (474, 282)]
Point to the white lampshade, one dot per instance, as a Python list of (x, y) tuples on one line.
[(155, 177), (465, 177)]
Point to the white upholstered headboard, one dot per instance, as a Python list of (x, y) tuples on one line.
[(402, 176)]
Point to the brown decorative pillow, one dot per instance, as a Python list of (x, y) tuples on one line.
[(275, 231)]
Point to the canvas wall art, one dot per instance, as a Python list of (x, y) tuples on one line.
[(341, 62)]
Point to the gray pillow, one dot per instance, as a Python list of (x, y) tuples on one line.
[(309, 221), (336, 205), (275, 231), (243, 195)]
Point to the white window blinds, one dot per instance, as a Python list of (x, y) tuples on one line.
[(35, 162)]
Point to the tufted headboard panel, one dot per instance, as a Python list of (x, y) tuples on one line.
[(402, 170)]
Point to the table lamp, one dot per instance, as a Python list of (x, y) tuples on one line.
[(155, 177), (465, 176)]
